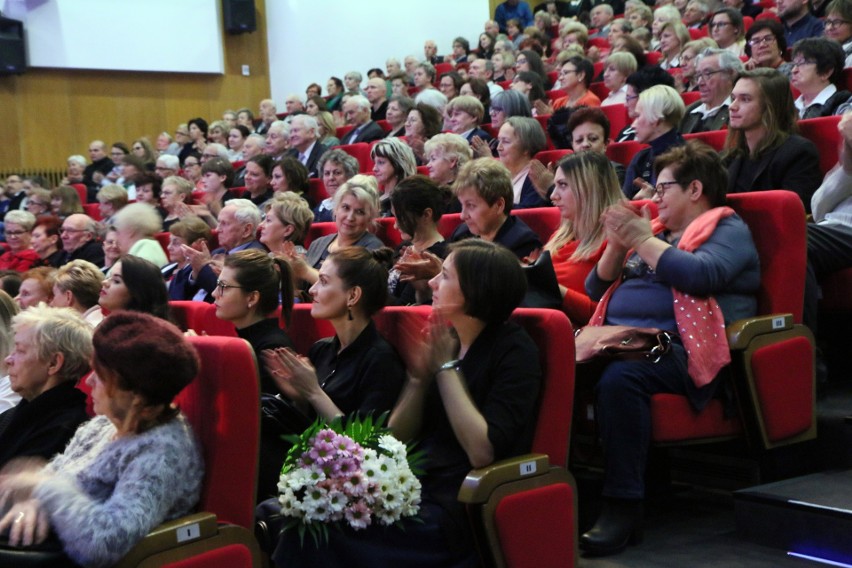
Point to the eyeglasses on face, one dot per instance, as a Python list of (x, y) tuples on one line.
[(755, 41), (662, 187), (800, 62), (222, 286), (835, 22), (707, 75)]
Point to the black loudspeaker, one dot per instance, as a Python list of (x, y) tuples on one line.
[(13, 58), (239, 16)]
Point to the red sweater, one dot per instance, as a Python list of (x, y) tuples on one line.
[(21, 261), (572, 274)]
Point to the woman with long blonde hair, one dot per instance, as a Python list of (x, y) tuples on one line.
[(585, 185)]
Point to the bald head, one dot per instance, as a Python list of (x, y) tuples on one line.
[(97, 150), (376, 91)]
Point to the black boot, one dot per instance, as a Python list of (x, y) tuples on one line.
[(619, 524)]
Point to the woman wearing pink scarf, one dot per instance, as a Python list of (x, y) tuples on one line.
[(689, 272)]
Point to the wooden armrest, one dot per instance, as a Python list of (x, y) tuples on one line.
[(171, 534), (742, 332), (480, 483)]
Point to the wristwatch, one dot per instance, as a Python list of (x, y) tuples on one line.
[(454, 365)]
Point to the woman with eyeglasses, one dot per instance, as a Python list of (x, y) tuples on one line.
[(838, 26), (766, 45), (818, 75), (762, 150), (699, 254), (728, 30), (19, 233)]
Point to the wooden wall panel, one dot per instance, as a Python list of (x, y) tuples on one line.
[(53, 113)]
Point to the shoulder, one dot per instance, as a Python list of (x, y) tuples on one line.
[(370, 241), (795, 144)]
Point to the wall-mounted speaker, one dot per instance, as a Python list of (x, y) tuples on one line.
[(239, 16), (13, 57)]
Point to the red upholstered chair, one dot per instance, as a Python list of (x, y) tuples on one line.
[(93, 210), (163, 239), (319, 230), (238, 164), (82, 192), (599, 42), (316, 190), (697, 33), (441, 68), (552, 76), (361, 152), (623, 152), (448, 224), (767, 15), (239, 191), (505, 84), (823, 133), (386, 126), (543, 220), (554, 94), (548, 156), (653, 57), (342, 131), (223, 406), (201, 317), (598, 68), (772, 354), (599, 89), (713, 138), (423, 170), (690, 97), (387, 232), (618, 119), (747, 22)]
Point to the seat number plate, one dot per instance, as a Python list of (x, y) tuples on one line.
[(189, 532), (528, 468), (778, 323)]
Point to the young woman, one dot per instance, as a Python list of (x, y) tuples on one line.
[(393, 161), (135, 284)]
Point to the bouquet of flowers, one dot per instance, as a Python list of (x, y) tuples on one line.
[(355, 475)]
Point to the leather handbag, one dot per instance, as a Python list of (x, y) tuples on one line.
[(620, 342)]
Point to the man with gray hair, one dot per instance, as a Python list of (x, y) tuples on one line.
[(601, 16), (484, 69), (268, 115), (695, 14), (214, 150), (716, 71), (167, 165), (430, 52), (277, 140), (294, 104), (237, 230), (356, 110), (392, 66), (304, 144), (377, 94), (79, 239)]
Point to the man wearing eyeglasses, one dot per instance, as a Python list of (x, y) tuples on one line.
[(716, 71), (78, 240), (798, 21)]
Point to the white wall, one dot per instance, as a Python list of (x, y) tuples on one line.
[(311, 40)]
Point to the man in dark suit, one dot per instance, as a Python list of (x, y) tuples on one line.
[(356, 110), (101, 165), (237, 230), (377, 94), (716, 70), (79, 240), (304, 144)]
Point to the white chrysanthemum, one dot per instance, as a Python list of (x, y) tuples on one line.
[(290, 506), (393, 446)]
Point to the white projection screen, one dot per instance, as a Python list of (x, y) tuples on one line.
[(311, 40), (180, 36)]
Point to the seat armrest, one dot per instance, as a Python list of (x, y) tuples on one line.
[(742, 332), (171, 534), (480, 483)]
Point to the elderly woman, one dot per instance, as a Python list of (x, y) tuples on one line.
[(618, 68), (658, 115), (450, 84), (46, 241), (698, 253), (584, 186), (135, 284), (838, 26), (166, 145), (398, 109), (484, 189), (356, 207), (728, 30), (65, 201), (336, 167), (135, 227), (446, 154), (519, 140), (589, 129), (51, 353), (423, 122), (257, 179), (77, 285), (762, 150), (74, 173), (18, 227), (111, 250), (289, 175), (38, 201), (818, 75), (575, 77), (36, 287), (111, 199), (766, 45), (641, 16), (193, 232), (218, 133), (139, 454), (673, 37), (393, 161), (288, 219), (175, 194)]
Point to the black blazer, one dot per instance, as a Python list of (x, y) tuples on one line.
[(313, 158), (487, 138), (691, 122), (371, 131), (793, 165)]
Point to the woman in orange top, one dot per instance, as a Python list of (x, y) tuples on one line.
[(576, 76), (585, 185)]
